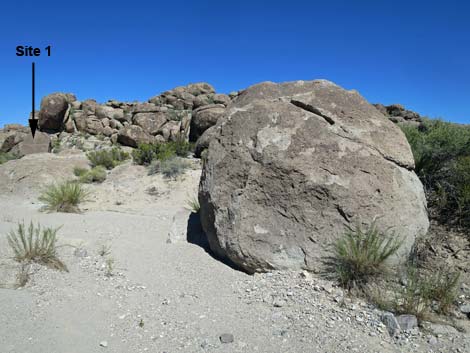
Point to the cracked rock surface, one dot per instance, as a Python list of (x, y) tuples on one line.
[(292, 164)]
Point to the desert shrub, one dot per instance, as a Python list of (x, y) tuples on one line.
[(79, 171), (412, 297), (108, 158), (165, 151), (182, 147), (145, 153), (192, 204), (56, 145), (442, 156), (442, 288), (422, 294), (94, 175), (64, 197), (361, 253), (34, 244), (6, 156), (170, 168)]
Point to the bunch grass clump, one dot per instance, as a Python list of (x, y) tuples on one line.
[(192, 204), (108, 158), (361, 254), (94, 175), (170, 168), (423, 294), (79, 171), (64, 197), (34, 244)]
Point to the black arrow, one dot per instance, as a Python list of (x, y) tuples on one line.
[(33, 123)]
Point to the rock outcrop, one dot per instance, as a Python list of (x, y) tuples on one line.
[(168, 116), (291, 165), (53, 111), (40, 144), (398, 114), (203, 118)]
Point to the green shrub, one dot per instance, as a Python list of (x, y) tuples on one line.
[(64, 197), (145, 153), (442, 156), (182, 147), (79, 171), (6, 156), (361, 253), (108, 158), (443, 289), (423, 294), (170, 168), (34, 244), (94, 175)]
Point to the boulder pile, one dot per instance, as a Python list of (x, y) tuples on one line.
[(183, 112), (190, 112), (398, 114)]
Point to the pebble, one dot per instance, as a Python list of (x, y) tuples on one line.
[(465, 308), (80, 252), (390, 321), (279, 303), (407, 322), (226, 338)]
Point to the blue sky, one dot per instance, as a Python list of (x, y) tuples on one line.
[(412, 52)]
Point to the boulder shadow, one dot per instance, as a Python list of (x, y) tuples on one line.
[(196, 235)]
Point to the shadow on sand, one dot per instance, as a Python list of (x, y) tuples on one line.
[(196, 236)]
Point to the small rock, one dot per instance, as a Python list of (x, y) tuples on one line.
[(306, 275), (328, 288), (407, 322), (104, 344), (226, 338), (440, 330), (432, 340), (80, 252), (390, 321), (279, 303), (465, 308)]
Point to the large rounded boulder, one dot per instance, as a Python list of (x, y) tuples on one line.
[(293, 164), (203, 118), (52, 113)]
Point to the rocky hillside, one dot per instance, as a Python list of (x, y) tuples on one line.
[(303, 224), (183, 112)]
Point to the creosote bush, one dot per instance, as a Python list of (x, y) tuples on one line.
[(34, 244), (145, 153), (442, 155), (64, 197), (79, 171), (108, 158), (361, 253), (170, 168), (94, 175)]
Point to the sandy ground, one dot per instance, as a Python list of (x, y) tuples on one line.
[(164, 292)]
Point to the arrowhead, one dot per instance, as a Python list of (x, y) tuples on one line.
[(33, 124)]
